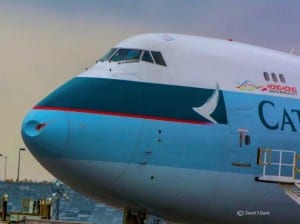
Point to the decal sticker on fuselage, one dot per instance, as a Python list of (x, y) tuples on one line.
[(249, 85)]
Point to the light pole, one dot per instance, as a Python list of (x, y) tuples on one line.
[(5, 165), (18, 176), (59, 192)]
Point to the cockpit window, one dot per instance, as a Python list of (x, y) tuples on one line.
[(147, 57), (107, 56), (126, 55), (134, 55), (158, 58)]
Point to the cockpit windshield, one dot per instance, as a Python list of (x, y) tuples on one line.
[(134, 55), (107, 56), (126, 55)]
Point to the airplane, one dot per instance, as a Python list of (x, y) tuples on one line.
[(178, 128)]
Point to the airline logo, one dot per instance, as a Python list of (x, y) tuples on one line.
[(249, 85), (275, 116), (209, 106)]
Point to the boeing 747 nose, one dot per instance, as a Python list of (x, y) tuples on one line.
[(161, 127), (45, 132)]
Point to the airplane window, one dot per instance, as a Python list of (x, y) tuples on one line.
[(147, 57), (281, 77), (274, 77), (266, 76), (108, 54), (126, 54), (158, 58)]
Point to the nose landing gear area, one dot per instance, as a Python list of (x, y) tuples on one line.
[(130, 218), (140, 218)]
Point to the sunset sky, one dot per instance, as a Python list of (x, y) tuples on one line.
[(44, 43)]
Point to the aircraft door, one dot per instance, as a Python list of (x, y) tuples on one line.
[(242, 139)]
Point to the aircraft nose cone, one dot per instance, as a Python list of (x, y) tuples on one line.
[(45, 132)]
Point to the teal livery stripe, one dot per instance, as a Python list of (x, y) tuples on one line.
[(133, 99)]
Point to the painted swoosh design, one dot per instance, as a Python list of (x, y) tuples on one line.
[(139, 100), (209, 106)]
